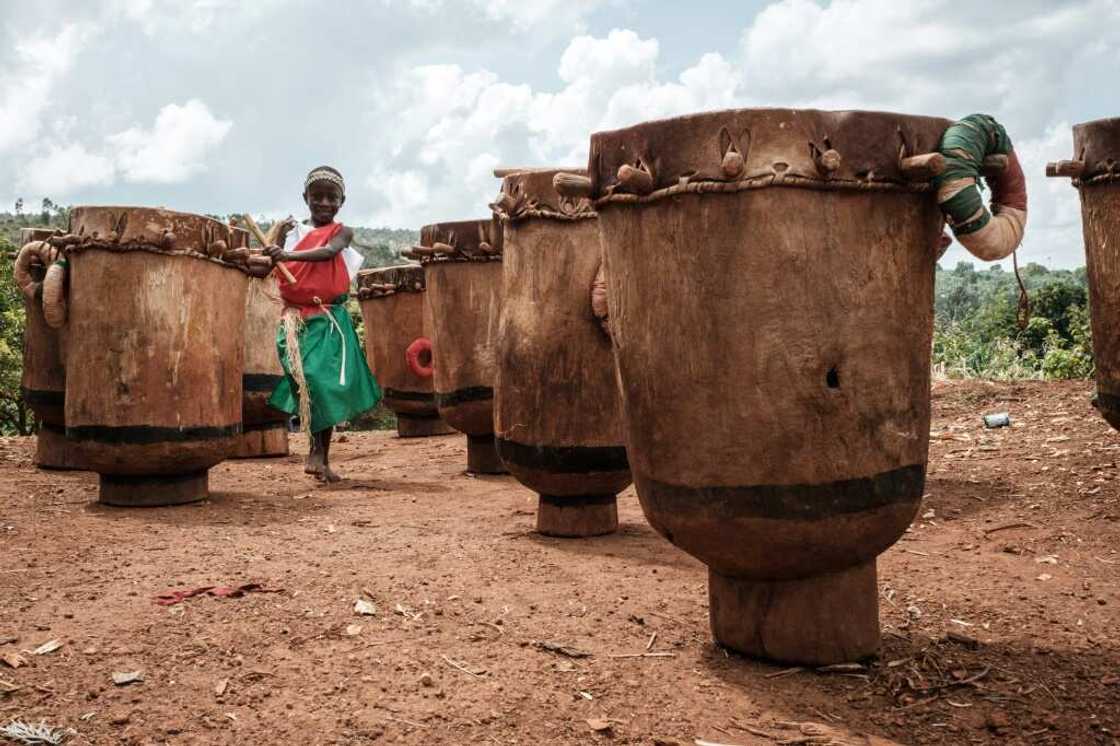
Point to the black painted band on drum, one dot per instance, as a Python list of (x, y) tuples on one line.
[(792, 502), (254, 382), (420, 396), (150, 434), (564, 459), (463, 396), (43, 397), (577, 501), (426, 416)]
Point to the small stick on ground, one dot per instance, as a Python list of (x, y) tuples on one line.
[(752, 730), (461, 667), (643, 655), (784, 672), (1017, 524), (492, 626), (652, 639)]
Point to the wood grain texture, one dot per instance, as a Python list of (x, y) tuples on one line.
[(262, 361), (774, 338), (43, 379), (817, 621), (262, 442), (392, 323), (464, 300), (556, 390), (1100, 220), (160, 342)]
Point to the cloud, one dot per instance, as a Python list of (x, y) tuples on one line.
[(27, 84), (470, 122), (927, 56), (174, 149), (64, 169), (527, 14), (520, 15), (156, 17), (948, 59)]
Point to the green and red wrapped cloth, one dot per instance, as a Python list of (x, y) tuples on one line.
[(965, 144)]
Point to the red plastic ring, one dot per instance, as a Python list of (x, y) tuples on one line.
[(419, 357)]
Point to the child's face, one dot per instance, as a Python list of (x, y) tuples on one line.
[(324, 199)]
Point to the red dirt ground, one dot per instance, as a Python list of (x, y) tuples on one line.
[(1017, 556)]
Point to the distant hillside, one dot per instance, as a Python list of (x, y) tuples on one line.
[(380, 246)]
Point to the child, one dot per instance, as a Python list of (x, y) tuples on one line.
[(327, 379)]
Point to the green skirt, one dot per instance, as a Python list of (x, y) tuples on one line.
[(339, 380)]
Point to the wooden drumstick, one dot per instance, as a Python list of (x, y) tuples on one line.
[(259, 235)]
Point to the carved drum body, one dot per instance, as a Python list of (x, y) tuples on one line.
[(557, 408), (43, 383), (1096, 175), (772, 315), (463, 272), (155, 325), (398, 349), (264, 429)]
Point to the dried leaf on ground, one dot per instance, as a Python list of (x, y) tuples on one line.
[(47, 647), (13, 659), (121, 678), (36, 735)]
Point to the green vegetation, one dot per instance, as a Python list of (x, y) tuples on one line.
[(976, 332), (15, 419)]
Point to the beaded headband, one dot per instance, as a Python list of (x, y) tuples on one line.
[(322, 174)]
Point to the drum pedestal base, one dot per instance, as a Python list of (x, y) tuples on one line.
[(482, 455), (409, 426), (1109, 407), (578, 516), (152, 490), (263, 442), (814, 621), (54, 451)]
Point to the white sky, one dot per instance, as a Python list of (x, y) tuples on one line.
[(223, 105)]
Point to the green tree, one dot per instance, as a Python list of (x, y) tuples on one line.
[(14, 415)]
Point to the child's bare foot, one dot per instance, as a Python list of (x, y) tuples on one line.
[(314, 464), (329, 474)]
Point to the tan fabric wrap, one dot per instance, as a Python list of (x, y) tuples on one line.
[(999, 237), (29, 255), (54, 296), (599, 306)]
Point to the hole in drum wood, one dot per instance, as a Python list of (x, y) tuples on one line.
[(832, 378)]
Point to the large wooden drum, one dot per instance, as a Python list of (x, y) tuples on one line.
[(264, 429), (155, 325), (463, 271), (398, 349), (43, 382), (1096, 175), (557, 409), (771, 287)]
